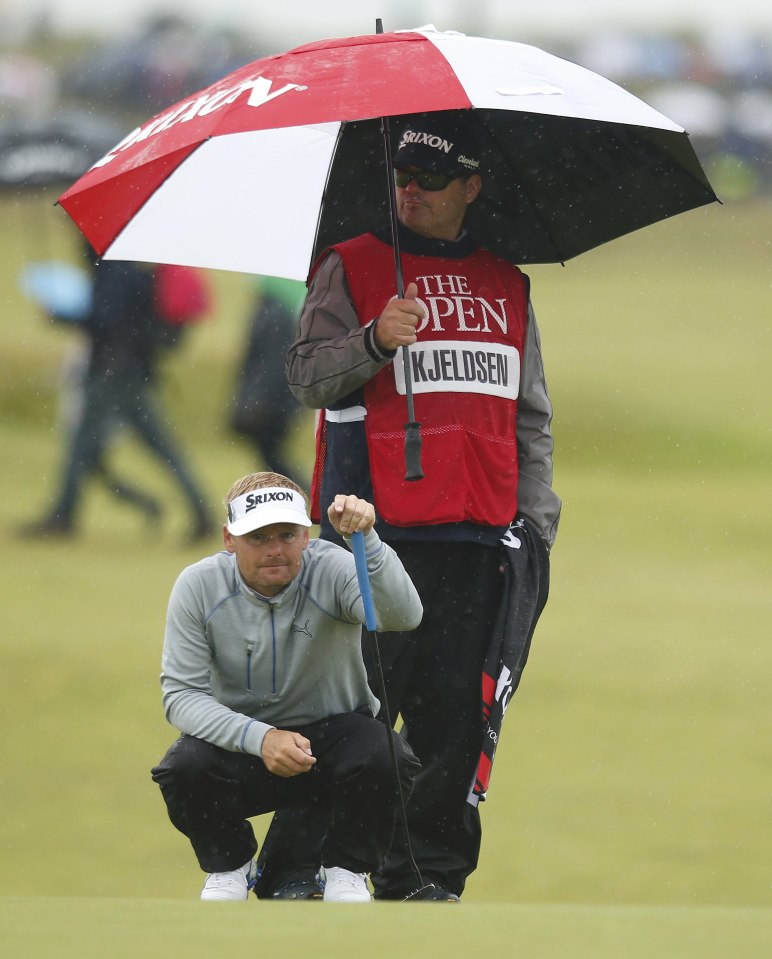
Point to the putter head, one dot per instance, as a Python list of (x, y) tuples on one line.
[(425, 892)]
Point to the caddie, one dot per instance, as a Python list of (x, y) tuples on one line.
[(481, 399), (263, 676)]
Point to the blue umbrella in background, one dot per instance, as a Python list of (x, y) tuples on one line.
[(58, 288)]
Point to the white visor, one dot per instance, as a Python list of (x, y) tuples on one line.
[(263, 507)]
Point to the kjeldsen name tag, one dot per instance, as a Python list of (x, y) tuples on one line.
[(455, 366)]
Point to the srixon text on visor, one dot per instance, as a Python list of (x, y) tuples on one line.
[(260, 499)]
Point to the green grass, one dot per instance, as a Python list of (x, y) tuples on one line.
[(124, 929), (629, 807)]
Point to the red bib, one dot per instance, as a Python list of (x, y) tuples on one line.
[(465, 371)]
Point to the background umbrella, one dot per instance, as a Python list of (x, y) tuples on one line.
[(262, 170), (46, 153), (52, 152), (58, 288)]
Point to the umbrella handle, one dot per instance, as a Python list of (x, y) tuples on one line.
[(413, 470), (360, 559)]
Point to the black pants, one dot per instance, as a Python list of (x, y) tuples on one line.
[(210, 793), (433, 679)]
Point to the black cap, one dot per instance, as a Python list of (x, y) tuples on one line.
[(440, 143)]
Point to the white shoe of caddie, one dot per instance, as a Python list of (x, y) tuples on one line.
[(341, 885), (233, 885)]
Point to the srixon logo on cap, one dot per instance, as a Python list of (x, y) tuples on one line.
[(425, 139), (254, 500)]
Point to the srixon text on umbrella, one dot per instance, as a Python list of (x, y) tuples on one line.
[(260, 92)]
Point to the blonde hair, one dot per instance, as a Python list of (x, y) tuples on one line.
[(253, 481)]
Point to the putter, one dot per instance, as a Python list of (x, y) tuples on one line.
[(424, 890)]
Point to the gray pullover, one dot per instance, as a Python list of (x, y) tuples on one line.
[(236, 664)]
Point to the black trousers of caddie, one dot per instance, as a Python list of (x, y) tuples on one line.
[(211, 793), (433, 679)]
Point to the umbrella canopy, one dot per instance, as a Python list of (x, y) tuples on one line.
[(261, 170)]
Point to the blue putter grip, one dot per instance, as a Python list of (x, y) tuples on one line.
[(358, 549)]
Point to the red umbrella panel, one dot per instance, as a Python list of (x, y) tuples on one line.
[(259, 171)]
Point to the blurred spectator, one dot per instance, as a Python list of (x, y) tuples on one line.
[(125, 336), (264, 407), (71, 410)]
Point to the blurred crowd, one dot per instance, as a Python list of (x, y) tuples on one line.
[(58, 114), (131, 76), (717, 86)]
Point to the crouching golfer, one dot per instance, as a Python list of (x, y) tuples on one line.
[(263, 676)]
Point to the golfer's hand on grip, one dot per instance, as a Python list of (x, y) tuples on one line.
[(350, 514), (397, 324), (286, 753)]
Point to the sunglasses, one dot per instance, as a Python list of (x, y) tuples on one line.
[(433, 182)]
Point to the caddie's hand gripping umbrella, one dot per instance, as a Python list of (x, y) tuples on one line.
[(263, 170)]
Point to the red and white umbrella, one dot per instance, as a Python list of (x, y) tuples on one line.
[(261, 170)]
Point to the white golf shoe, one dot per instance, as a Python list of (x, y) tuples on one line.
[(233, 885), (341, 885)]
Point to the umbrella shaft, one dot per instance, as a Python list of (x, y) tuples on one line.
[(386, 131)]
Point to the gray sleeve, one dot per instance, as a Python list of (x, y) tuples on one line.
[(188, 701), (536, 499), (332, 355)]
